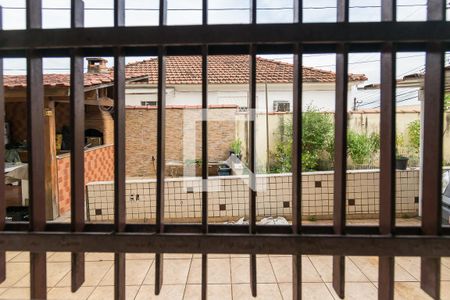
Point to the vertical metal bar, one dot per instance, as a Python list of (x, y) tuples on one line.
[(432, 163), (298, 11), (205, 12), (77, 153), (251, 146), (160, 166), (36, 161), (119, 167), (251, 162), (162, 12), (2, 161), (205, 150), (430, 275), (253, 11), (161, 145), (340, 155), (77, 14), (386, 266), (119, 152), (297, 169)]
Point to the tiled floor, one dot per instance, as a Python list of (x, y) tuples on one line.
[(228, 277)]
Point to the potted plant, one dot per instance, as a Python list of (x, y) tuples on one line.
[(224, 170), (236, 148), (401, 161)]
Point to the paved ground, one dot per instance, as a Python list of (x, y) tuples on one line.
[(228, 277)]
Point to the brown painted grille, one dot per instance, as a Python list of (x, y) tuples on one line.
[(430, 241)]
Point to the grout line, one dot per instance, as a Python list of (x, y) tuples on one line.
[(397, 265), (231, 277), (362, 272), (321, 277), (101, 279), (187, 277), (276, 280), (143, 279)]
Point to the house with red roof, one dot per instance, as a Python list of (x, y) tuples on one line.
[(228, 83)]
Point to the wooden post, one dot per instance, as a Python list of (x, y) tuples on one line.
[(51, 171)]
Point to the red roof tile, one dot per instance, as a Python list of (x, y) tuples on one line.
[(230, 70), (187, 70), (63, 80)]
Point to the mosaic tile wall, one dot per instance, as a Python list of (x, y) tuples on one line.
[(228, 197)]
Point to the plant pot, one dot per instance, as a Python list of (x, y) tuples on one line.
[(224, 171), (401, 163)]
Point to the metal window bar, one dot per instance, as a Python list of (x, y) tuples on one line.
[(430, 271), (77, 153), (251, 147), (386, 264), (2, 162), (297, 154), (340, 155), (205, 158), (297, 169), (35, 120), (386, 241)]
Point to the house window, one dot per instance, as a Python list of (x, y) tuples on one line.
[(148, 103), (281, 106)]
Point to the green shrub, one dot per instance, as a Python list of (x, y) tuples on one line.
[(414, 135), (317, 138), (362, 147)]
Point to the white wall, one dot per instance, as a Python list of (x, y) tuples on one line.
[(318, 94)]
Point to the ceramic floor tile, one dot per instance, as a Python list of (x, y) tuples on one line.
[(324, 265), (445, 290), (357, 291), (282, 266), (16, 293), (21, 257), (367, 265), (409, 291), (411, 265), (55, 273), (218, 271), (11, 254), (240, 270), (60, 257), (94, 256), (107, 292), (310, 291), (264, 292), (140, 256), (175, 272), (94, 273), (136, 270), (177, 256), (215, 291), (168, 292), (65, 293), (14, 273)]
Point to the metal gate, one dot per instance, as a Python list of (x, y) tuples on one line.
[(431, 241)]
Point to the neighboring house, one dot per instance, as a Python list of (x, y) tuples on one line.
[(99, 125), (228, 83)]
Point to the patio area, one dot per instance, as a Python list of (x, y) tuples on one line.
[(228, 277)]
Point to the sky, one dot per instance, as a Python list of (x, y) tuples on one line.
[(98, 13)]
